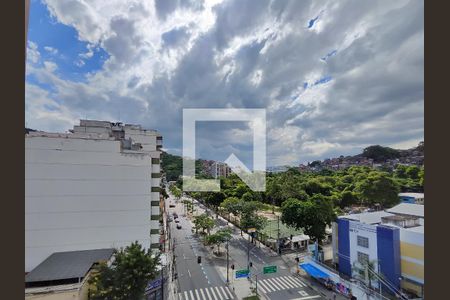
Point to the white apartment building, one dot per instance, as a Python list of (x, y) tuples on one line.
[(93, 188)]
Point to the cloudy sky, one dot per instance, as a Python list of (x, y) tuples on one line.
[(334, 76)]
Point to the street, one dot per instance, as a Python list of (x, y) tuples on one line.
[(207, 280)]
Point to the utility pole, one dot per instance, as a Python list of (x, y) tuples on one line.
[(248, 252), (228, 263), (379, 281), (162, 282), (278, 235)]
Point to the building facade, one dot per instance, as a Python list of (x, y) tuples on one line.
[(414, 198), (95, 187), (392, 240)]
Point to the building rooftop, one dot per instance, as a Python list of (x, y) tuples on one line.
[(414, 195), (368, 217), (67, 265), (418, 229), (90, 136), (408, 209)]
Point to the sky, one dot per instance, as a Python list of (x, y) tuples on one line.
[(333, 76)]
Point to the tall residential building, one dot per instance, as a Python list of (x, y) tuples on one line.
[(96, 187)]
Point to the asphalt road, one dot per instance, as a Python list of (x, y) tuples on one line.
[(279, 285), (195, 281)]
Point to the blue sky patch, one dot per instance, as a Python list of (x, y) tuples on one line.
[(332, 53), (46, 32), (312, 21), (323, 80)]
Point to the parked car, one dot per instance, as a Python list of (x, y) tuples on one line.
[(178, 226), (169, 219), (177, 221)]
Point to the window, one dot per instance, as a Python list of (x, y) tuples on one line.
[(363, 241), (363, 258)]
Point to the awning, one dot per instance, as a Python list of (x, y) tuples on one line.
[(313, 271)]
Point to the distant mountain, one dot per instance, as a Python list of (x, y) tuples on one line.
[(372, 156)]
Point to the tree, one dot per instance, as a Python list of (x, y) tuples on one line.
[(314, 186), (203, 222), (348, 198), (365, 271), (379, 188), (422, 177), (312, 215), (250, 218), (379, 153), (232, 205), (413, 172), (176, 192), (218, 238), (128, 275)]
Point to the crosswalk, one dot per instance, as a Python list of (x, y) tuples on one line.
[(209, 293), (273, 284)]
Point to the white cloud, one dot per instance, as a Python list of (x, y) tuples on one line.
[(51, 50), (251, 54), (33, 53)]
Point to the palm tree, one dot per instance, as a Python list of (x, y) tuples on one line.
[(365, 271)]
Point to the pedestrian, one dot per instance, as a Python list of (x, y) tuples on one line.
[(334, 296)]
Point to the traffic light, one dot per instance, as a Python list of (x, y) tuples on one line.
[(232, 267), (199, 259)]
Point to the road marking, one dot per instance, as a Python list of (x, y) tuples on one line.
[(201, 292), (192, 294), (212, 292), (207, 292), (261, 288), (303, 293), (292, 280), (286, 282), (298, 281), (196, 293), (281, 283), (269, 285), (223, 291), (308, 297), (273, 283), (189, 273), (218, 292), (229, 292)]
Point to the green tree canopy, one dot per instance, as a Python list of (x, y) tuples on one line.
[(312, 215), (128, 275), (203, 222), (379, 188), (218, 238)]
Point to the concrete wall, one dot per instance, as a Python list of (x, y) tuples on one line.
[(412, 252), (84, 194)]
